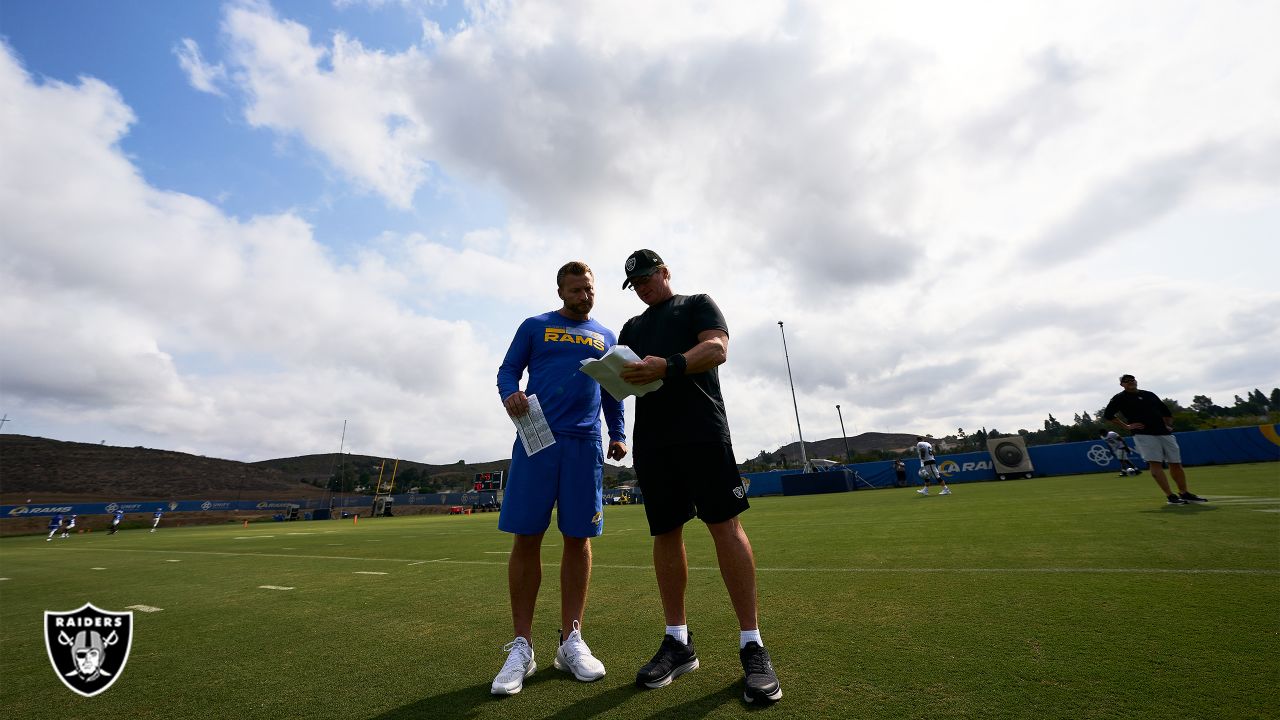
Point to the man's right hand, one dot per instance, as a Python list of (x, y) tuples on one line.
[(517, 404)]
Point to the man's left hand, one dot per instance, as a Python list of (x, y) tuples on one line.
[(617, 450), (646, 371)]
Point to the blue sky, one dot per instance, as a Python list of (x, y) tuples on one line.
[(231, 226)]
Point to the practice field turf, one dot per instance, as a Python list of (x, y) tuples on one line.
[(1074, 597)]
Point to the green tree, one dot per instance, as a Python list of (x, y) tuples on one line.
[(1202, 404)]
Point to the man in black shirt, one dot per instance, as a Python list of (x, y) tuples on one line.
[(685, 465), (1148, 418)]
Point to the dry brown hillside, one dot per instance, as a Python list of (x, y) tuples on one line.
[(41, 469)]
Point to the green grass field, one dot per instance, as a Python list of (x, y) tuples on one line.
[(1076, 597)]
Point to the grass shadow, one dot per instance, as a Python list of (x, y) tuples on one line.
[(461, 703), (699, 707), (470, 702), (1191, 509)]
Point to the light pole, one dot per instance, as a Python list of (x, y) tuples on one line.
[(804, 457), (847, 457)]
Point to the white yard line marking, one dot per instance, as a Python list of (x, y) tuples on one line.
[(299, 533), (253, 537), (649, 568), (173, 561), (367, 572), (143, 608), (8, 578), (1275, 510), (97, 568), (274, 587)]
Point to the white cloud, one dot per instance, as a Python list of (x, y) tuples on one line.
[(202, 76), (351, 104), (975, 220), (151, 310)]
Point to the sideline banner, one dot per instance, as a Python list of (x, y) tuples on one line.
[(168, 506), (1259, 443)]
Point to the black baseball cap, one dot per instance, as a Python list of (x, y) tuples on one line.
[(639, 264)]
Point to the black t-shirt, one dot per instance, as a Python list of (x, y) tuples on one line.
[(688, 408), (1140, 407)]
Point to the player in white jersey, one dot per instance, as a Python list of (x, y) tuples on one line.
[(929, 468), (1120, 450)]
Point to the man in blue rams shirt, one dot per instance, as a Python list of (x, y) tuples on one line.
[(568, 474)]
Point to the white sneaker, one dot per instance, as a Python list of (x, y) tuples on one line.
[(945, 491), (923, 491), (574, 656), (519, 665)]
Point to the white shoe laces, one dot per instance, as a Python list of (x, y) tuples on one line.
[(519, 654), (574, 649)]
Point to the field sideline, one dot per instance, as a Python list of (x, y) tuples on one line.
[(1070, 597)]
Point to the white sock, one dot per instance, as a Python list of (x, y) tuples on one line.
[(747, 636), (679, 632)]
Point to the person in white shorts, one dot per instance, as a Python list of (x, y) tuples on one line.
[(929, 467), (1148, 418), (1120, 451)]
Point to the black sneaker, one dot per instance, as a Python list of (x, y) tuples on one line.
[(1175, 500), (1188, 497), (761, 682), (672, 660)]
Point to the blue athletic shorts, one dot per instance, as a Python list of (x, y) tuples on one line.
[(567, 475)]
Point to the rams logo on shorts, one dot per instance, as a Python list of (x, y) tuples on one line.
[(739, 492), (573, 335), (597, 518)]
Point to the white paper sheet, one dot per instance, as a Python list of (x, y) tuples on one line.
[(606, 369), (533, 429)]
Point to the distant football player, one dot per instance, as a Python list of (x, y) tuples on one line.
[(1120, 450), (1148, 418), (159, 514), (71, 525), (115, 522), (55, 524), (929, 467)]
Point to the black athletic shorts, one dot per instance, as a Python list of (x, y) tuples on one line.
[(681, 482)]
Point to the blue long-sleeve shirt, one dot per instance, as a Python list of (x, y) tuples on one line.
[(552, 347)]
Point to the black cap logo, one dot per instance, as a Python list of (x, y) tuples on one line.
[(639, 264)]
